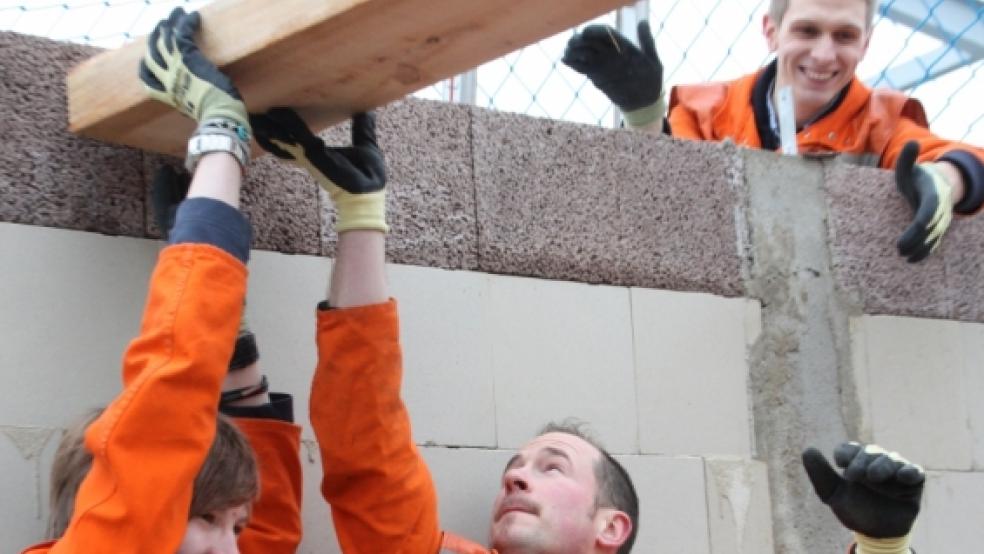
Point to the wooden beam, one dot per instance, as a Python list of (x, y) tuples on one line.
[(329, 58)]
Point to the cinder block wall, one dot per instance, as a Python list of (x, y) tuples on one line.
[(709, 311)]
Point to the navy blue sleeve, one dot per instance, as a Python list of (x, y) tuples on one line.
[(972, 169), (208, 221)]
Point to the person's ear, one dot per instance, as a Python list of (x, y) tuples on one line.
[(770, 29), (615, 527)]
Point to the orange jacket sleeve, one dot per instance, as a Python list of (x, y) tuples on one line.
[(275, 523), (381, 494), (150, 442)]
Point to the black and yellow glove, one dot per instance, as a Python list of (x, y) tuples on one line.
[(877, 497), (175, 72), (931, 197), (630, 76), (354, 176)]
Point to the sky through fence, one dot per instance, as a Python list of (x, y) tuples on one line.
[(697, 40)]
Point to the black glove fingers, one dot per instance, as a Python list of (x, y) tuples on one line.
[(604, 39), (911, 474), (291, 127), (858, 468), (846, 452), (364, 130), (153, 45), (646, 41), (882, 469), (905, 179), (921, 251), (264, 130), (823, 477), (149, 79)]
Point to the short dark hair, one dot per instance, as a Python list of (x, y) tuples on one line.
[(615, 489)]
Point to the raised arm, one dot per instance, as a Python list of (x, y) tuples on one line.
[(630, 76), (877, 497), (150, 442), (379, 488)]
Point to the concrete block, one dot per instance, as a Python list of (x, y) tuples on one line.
[(950, 518), (448, 383), (430, 191), (691, 366), (319, 533), (26, 453), (864, 228), (672, 504), (567, 201), (916, 394), (70, 309), (739, 506), (972, 341), (562, 350), (47, 175), (467, 482)]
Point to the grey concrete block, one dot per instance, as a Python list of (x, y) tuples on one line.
[(867, 216), (568, 201), (47, 175), (430, 198)]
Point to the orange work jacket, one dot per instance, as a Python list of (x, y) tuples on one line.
[(150, 442), (381, 494), (871, 124)]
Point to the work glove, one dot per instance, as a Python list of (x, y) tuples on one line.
[(632, 78), (354, 176), (931, 197), (877, 497), (175, 72)]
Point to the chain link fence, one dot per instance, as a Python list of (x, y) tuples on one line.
[(932, 49)]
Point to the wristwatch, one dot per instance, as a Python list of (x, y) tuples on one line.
[(215, 140)]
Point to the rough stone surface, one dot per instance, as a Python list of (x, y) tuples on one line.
[(47, 175), (567, 201), (430, 190), (867, 216), (963, 261)]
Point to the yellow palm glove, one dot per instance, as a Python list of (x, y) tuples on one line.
[(354, 176), (931, 197), (175, 72), (895, 545)]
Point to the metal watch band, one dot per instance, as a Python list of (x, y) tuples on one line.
[(215, 140)]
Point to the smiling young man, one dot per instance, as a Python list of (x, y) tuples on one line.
[(818, 45)]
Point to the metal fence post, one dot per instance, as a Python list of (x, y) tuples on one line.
[(626, 20)]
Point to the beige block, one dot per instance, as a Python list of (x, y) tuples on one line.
[(562, 350), (691, 367), (448, 384), (25, 458), (972, 339), (950, 518), (672, 503), (739, 506), (71, 303), (319, 533), (916, 393), (467, 481)]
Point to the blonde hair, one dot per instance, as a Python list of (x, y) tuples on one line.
[(228, 477), (777, 9)]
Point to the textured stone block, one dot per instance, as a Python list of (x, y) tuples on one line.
[(738, 505), (963, 268), (447, 346), (562, 350), (430, 198), (567, 201), (867, 216), (691, 366), (917, 398), (47, 175)]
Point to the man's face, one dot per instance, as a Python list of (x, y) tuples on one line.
[(216, 532), (546, 503), (818, 46)]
